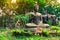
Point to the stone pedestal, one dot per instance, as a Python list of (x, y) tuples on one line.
[(31, 25)]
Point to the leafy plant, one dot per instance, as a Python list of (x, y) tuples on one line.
[(17, 32), (49, 22), (45, 32), (3, 37), (29, 32), (55, 28), (24, 19)]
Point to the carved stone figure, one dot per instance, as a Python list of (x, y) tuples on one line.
[(38, 18), (45, 17), (53, 19), (36, 7)]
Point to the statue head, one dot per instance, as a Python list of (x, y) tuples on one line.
[(36, 7)]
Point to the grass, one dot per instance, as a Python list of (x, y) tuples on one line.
[(4, 37), (8, 36)]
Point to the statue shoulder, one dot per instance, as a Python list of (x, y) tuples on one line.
[(39, 14), (31, 13)]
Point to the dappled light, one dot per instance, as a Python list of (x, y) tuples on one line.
[(58, 1), (13, 1)]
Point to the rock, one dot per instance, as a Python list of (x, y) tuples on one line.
[(44, 25), (53, 19), (31, 29), (37, 18), (31, 25), (41, 25), (45, 18)]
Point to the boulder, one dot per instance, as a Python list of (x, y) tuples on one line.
[(44, 25), (31, 29), (31, 25)]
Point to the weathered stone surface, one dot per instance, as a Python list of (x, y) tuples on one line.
[(37, 18), (41, 25), (31, 17), (36, 7), (31, 25), (31, 13), (45, 18), (53, 19), (44, 25), (31, 29)]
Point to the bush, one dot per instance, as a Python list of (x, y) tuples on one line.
[(55, 28), (17, 32), (21, 32), (23, 18), (4, 37), (45, 32), (29, 32), (49, 22)]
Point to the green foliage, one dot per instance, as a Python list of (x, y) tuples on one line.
[(55, 27), (23, 18), (49, 22), (45, 32), (41, 2), (17, 30), (4, 37), (2, 3), (28, 5), (25, 6), (1, 30), (8, 36), (29, 32)]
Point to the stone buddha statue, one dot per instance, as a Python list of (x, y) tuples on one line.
[(38, 17)]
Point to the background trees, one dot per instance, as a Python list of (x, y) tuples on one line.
[(23, 6)]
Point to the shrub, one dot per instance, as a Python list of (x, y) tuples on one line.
[(4, 37), (29, 32), (24, 19), (55, 28), (45, 32)]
